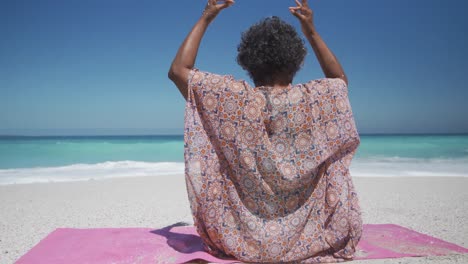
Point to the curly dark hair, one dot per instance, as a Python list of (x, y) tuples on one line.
[(271, 50)]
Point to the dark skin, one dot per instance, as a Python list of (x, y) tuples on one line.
[(185, 58)]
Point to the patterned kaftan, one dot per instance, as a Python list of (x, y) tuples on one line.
[(267, 169)]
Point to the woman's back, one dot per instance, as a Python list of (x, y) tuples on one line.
[(268, 169)]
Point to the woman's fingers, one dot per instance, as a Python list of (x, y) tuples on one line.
[(295, 10), (299, 16), (212, 7), (226, 3), (303, 12)]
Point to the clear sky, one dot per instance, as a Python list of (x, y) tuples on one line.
[(100, 66)]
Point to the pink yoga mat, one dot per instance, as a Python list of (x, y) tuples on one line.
[(179, 244)]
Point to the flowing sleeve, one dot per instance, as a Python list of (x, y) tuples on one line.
[(196, 144), (341, 200), (208, 92), (204, 169)]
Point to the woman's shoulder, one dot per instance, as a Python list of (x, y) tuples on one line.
[(197, 75), (326, 85), (216, 81), (328, 81)]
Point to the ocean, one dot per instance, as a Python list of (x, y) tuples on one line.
[(28, 159)]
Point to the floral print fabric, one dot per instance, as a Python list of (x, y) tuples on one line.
[(267, 169)]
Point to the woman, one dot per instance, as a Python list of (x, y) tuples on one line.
[(267, 168)]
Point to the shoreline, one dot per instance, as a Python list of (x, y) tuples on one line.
[(55, 179), (437, 206)]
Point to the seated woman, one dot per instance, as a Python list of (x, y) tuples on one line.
[(267, 167)]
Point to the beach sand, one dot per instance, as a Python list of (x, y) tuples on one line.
[(28, 212)]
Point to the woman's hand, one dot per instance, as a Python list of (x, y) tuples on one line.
[(212, 8), (305, 15)]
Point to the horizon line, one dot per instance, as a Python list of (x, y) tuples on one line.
[(178, 134)]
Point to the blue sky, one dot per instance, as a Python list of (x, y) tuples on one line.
[(100, 67)]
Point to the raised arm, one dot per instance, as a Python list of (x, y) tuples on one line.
[(330, 65), (184, 60)]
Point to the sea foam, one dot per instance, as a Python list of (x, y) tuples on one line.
[(360, 167), (413, 167), (83, 171)]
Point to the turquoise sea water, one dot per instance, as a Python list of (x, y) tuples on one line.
[(67, 158), (49, 151)]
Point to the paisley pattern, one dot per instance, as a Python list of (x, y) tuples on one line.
[(267, 169)]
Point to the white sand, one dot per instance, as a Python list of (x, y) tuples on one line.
[(28, 212)]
